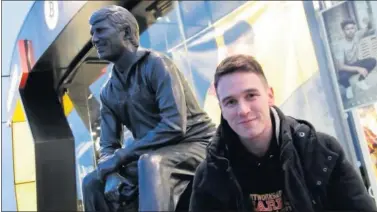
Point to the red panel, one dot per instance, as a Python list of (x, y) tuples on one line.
[(26, 59)]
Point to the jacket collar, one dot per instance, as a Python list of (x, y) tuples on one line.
[(141, 53)]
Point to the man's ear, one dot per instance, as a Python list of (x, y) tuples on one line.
[(127, 33), (271, 96)]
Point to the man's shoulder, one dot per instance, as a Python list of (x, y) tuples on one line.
[(158, 63), (153, 56), (328, 141), (105, 89), (199, 173), (159, 58), (307, 137)]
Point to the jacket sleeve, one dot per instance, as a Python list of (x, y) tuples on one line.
[(200, 200), (346, 190), (111, 130), (164, 79)]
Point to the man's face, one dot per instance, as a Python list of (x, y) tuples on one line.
[(109, 42), (349, 30), (245, 102)]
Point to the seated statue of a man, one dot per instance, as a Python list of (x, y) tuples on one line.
[(150, 96)]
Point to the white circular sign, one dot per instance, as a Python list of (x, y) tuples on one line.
[(51, 12)]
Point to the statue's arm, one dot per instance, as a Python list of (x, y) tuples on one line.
[(163, 77), (111, 129)]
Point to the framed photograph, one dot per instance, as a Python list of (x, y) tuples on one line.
[(350, 35), (366, 128)]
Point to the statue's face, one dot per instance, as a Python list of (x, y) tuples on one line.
[(109, 42)]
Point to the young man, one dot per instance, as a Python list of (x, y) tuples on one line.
[(150, 96), (347, 58), (262, 160)]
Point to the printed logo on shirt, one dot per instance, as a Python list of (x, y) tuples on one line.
[(272, 202)]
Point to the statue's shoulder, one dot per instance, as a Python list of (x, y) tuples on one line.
[(105, 87), (153, 55)]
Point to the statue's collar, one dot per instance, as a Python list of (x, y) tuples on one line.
[(140, 53)]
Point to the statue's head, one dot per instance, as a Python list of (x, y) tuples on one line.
[(114, 30)]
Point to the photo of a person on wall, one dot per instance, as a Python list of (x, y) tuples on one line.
[(350, 39), (351, 69)]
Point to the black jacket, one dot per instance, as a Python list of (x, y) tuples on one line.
[(154, 101), (317, 176)]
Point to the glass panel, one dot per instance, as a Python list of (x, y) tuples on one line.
[(195, 16), (288, 59), (84, 118), (196, 52), (219, 9)]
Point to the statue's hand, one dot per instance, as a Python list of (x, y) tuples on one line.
[(107, 166), (113, 186)]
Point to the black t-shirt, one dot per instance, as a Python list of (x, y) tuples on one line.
[(261, 178)]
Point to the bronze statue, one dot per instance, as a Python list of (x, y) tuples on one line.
[(150, 96)]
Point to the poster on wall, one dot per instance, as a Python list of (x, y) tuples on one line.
[(288, 60), (368, 120), (350, 34)]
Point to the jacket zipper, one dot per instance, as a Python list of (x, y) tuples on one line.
[(240, 199), (310, 196)]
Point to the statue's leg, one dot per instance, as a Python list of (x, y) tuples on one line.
[(165, 174), (93, 192), (129, 193)]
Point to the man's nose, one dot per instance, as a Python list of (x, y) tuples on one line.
[(95, 39), (243, 109)]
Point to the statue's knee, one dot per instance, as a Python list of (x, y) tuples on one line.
[(149, 162), (90, 181)]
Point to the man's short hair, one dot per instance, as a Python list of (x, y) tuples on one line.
[(120, 18), (346, 22), (236, 31), (239, 63)]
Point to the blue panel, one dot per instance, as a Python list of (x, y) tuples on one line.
[(14, 12), (203, 70), (96, 86), (84, 149), (195, 16), (219, 9), (36, 29)]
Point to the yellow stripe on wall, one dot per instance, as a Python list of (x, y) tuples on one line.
[(67, 104), (18, 114), (24, 167), (26, 196)]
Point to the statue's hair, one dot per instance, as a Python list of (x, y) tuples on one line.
[(120, 18)]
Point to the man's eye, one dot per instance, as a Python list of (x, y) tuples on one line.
[(250, 96), (230, 103)]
